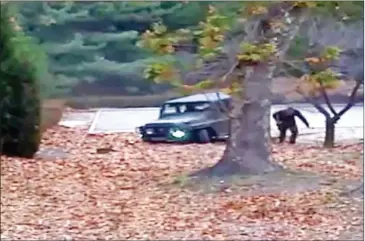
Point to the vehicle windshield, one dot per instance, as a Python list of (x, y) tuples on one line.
[(181, 108)]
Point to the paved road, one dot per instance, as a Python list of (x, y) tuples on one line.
[(350, 126)]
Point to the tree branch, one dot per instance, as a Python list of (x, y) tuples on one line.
[(230, 71), (351, 100), (327, 99), (222, 107), (292, 65), (212, 69), (315, 104), (224, 78)]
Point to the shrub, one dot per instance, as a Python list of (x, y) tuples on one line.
[(19, 103)]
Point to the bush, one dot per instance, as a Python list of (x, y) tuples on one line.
[(19, 103)]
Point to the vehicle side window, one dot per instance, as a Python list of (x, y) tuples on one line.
[(202, 107), (179, 108), (182, 108), (169, 109)]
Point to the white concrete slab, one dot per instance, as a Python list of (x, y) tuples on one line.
[(122, 120), (77, 119)]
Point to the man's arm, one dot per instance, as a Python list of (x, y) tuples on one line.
[(276, 116), (301, 117)]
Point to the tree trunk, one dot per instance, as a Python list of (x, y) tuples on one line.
[(248, 149), (329, 139)]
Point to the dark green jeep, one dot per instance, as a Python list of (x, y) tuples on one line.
[(195, 118)]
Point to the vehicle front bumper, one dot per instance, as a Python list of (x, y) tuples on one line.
[(164, 137)]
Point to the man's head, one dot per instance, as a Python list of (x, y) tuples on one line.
[(290, 110)]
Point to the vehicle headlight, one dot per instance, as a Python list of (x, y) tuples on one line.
[(178, 133), (149, 131), (137, 130)]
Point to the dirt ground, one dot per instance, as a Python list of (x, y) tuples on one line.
[(135, 190)]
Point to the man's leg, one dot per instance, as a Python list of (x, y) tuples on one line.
[(294, 134), (282, 130)]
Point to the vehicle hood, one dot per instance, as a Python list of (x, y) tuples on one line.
[(183, 118)]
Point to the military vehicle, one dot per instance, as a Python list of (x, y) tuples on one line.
[(198, 118)]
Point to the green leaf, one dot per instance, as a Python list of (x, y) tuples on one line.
[(255, 57), (243, 57), (205, 84), (327, 76), (331, 52), (247, 47)]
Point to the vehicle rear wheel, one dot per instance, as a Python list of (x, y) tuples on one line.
[(203, 136)]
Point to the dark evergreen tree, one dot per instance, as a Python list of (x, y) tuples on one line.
[(19, 90)]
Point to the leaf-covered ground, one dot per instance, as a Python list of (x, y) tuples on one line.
[(128, 193)]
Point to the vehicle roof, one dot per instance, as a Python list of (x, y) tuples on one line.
[(210, 97)]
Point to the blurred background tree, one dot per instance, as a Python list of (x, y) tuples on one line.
[(91, 46)]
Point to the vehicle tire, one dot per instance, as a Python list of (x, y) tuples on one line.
[(203, 136)]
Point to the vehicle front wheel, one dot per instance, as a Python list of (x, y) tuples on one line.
[(203, 136)]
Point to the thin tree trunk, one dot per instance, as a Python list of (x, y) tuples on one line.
[(329, 139)]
